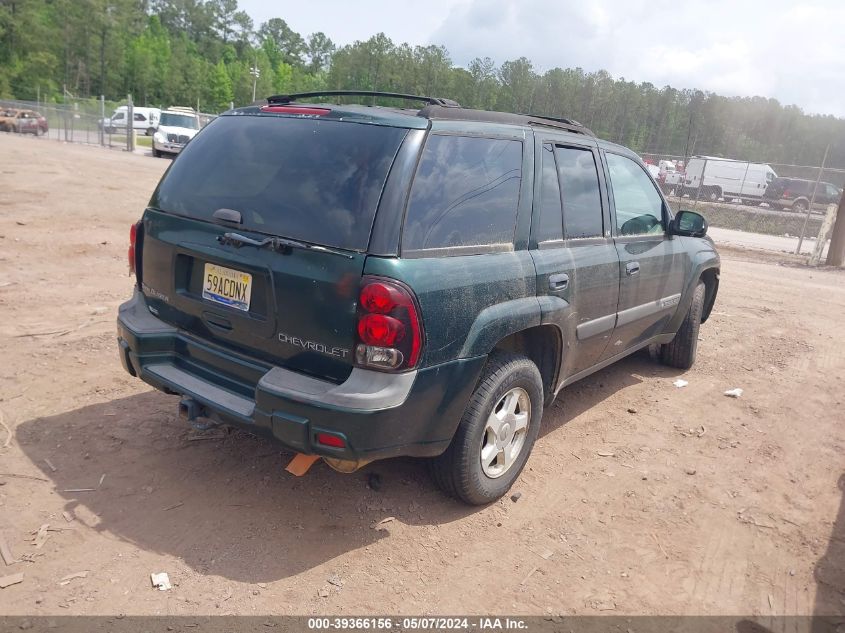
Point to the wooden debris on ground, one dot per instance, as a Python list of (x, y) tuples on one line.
[(41, 536), (66, 580), (6, 553), (8, 581)]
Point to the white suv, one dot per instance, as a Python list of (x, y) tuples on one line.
[(176, 127)]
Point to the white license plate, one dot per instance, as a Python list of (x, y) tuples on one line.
[(229, 287)]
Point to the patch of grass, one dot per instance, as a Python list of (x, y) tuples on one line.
[(764, 221)]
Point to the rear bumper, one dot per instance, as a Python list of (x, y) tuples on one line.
[(377, 414)]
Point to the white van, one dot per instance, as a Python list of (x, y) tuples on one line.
[(727, 179), (145, 120)]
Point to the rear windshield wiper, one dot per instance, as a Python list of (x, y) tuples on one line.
[(277, 244)]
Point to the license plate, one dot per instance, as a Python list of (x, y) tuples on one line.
[(229, 287)]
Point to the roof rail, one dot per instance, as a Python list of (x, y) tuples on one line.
[(283, 99), (508, 118), (572, 122)]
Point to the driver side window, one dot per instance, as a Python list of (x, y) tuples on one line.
[(639, 208)]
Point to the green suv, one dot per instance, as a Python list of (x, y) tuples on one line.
[(363, 282)]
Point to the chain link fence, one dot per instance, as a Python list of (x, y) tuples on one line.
[(90, 121), (769, 198)]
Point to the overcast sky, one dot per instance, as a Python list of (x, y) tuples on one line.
[(793, 51)]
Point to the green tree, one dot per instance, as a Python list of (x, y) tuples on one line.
[(220, 93)]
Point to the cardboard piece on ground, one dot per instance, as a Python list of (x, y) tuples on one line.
[(5, 552), (300, 464), (8, 581)]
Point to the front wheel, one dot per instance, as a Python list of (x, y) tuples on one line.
[(680, 352), (714, 194), (496, 434)]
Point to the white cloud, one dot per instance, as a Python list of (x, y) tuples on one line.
[(793, 51)]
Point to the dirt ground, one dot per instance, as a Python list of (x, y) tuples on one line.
[(640, 497)]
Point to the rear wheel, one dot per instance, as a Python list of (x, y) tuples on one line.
[(714, 193), (680, 352), (496, 433), (799, 206)]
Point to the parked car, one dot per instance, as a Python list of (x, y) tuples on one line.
[(712, 178), (144, 119), (365, 282), (23, 122), (795, 194), (176, 128)]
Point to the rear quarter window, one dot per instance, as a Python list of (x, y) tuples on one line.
[(464, 196), (311, 180)]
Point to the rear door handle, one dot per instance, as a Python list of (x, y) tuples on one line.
[(632, 268), (558, 281)]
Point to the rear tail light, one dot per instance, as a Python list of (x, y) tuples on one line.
[(133, 240), (787, 193), (390, 334)]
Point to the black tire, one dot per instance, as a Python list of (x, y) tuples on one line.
[(799, 206), (156, 153), (458, 471), (151, 131), (680, 352), (714, 193)]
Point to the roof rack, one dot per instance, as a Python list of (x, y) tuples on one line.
[(283, 99), (554, 118), (434, 111)]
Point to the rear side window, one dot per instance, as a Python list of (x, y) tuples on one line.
[(311, 180), (579, 182), (551, 226), (465, 194)]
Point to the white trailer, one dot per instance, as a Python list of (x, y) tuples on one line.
[(727, 179)]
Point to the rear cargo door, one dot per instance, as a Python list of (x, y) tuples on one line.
[(255, 239)]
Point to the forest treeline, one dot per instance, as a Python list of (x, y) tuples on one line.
[(201, 52)]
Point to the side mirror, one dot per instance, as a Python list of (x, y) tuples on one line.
[(689, 224)]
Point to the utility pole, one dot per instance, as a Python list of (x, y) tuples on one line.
[(836, 250), (812, 202), (256, 73)]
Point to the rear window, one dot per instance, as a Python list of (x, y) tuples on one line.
[(311, 180), (465, 195)]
